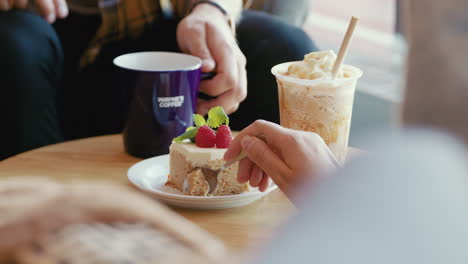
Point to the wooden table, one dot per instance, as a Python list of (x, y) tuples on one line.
[(103, 157)]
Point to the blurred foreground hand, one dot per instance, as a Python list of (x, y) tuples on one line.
[(50, 10)]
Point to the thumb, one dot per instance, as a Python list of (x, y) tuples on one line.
[(200, 49), (261, 154), (208, 65)]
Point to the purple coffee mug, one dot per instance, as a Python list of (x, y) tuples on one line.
[(161, 91)]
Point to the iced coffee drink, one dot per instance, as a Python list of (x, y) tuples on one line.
[(312, 100)]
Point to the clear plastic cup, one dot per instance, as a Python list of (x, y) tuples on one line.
[(321, 106)]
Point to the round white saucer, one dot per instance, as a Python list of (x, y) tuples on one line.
[(150, 176)]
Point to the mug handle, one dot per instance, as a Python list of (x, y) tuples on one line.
[(206, 76)]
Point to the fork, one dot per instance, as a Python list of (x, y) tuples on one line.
[(211, 175)]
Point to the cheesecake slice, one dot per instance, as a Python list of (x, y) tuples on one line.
[(197, 184), (186, 161)]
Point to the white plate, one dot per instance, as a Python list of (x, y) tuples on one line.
[(150, 175)]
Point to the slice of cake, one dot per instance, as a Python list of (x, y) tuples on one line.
[(187, 159), (197, 184)]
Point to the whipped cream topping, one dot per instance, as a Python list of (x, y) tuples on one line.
[(316, 66), (197, 156)]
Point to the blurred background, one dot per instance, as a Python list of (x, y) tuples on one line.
[(377, 48)]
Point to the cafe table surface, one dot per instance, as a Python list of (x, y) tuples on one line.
[(104, 158)]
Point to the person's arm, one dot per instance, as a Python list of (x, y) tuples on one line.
[(232, 7)]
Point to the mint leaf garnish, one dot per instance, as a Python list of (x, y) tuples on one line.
[(217, 117), (199, 120), (191, 132)]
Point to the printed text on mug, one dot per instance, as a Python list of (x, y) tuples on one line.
[(167, 102)]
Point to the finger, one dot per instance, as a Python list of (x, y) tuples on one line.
[(224, 55), (255, 176), (46, 9), (5, 5), (229, 105), (61, 8), (226, 100), (260, 154), (216, 86), (208, 65), (227, 73), (271, 133), (201, 109), (231, 99), (242, 92), (219, 84), (244, 171), (197, 46), (20, 4), (232, 108), (264, 184)]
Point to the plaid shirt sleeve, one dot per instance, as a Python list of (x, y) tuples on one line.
[(120, 19), (127, 19)]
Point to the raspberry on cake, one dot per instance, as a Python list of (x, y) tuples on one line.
[(223, 137), (206, 137), (187, 158)]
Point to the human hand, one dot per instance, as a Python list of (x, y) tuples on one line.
[(206, 34), (48, 9), (287, 156)]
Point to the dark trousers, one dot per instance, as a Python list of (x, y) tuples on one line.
[(44, 99)]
